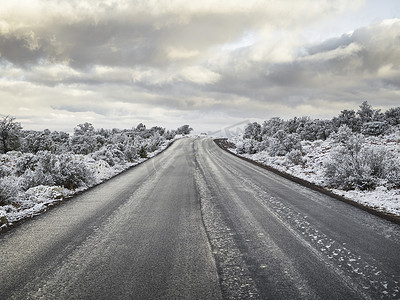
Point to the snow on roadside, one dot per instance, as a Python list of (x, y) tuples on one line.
[(38, 199), (382, 198)]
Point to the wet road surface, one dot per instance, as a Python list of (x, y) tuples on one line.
[(198, 223)]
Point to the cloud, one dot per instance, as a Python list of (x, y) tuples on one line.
[(180, 60), (131, 33), (348, 64)]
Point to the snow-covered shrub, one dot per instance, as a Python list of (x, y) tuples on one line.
[(240, 148), (282, 143), (43, 193), (8, 189), (169, 135), (47, 162), (392, 116), (251, 146), (273, 125), (263, 145), (39, 169), (363, 168), (130, 153), (84, 140), (155, 141), (25, 161), (253, 131), (82, 144), (346, 138), (374, 128), (295, 156), (73, 173), (184, 129), (37, 177), (248, 146), (105, 154), (10, 134), (35, 141), (343, 171), (143, 151), (348, 118)]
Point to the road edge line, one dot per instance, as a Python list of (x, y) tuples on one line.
[(64, 200), (223, 144)]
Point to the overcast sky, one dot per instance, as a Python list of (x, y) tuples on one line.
[(207, 63)]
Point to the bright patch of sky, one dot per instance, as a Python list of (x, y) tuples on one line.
[(369, 12)]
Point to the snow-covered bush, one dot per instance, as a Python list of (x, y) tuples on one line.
[(282, 143), (295, 156), (143, 151), (240, 148), (10, 134), (130, 153), (8, 189), (253, 131), (73, 173), (35, 141), (263, 145), (374, 128), (184, 129), (105, 154), (169, 135), (361, 168), (43, 193), (25, 161), (156, 141), (392, 116), (273, 125), (346, 138), (33, 178)]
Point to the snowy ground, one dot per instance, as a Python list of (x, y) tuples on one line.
[(312, 170), (38, 199)]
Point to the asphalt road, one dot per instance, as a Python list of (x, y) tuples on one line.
[(198, 223)]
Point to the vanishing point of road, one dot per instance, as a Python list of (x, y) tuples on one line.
[(195, 222)]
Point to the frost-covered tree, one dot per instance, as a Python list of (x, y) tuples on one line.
[(348, 118), (253, 131), (311, 130), (392, 116), (61, 141), (184, 129), (169, 135), (10, 133), (35, 141), (273, 125), (282, 143), (157, 129), (374, 128), (84, 139), (368, 114), (140, 127)]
